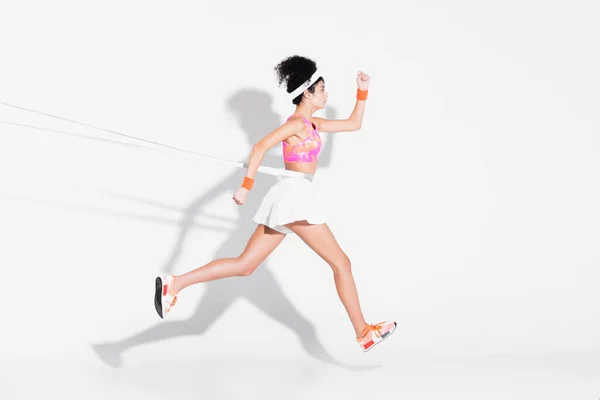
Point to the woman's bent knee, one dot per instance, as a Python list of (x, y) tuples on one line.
[(343, 265), (245, 267)]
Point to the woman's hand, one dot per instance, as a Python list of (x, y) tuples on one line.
[(363, 80), (240, 196)]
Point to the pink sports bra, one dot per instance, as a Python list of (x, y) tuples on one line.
[(305, 151)]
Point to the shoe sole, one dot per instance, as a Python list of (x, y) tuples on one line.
[(158, 296), (386, 336)]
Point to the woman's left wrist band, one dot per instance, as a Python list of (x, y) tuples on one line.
[(248, 183), (361, 94)]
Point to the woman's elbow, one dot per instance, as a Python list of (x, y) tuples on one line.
[(259, 149)]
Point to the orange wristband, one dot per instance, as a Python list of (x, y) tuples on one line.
[(361, 94), (248, 183)]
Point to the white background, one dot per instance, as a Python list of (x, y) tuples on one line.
[(468, 201)]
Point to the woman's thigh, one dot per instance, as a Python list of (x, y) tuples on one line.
[(260, 245), (320, 238)]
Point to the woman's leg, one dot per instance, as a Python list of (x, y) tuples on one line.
[(321, 240), (260, 245)]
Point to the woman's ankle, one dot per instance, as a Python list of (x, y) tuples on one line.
[(360, 329), (174, 289)]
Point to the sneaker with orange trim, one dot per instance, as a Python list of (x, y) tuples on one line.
[(374, 334), (163, 297)]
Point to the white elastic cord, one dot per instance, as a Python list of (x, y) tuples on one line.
[(261, 168), (305, 85)]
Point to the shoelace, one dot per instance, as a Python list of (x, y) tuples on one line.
[(373, 328), (174, 297)]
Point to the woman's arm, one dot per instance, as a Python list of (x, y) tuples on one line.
[(259, 150), (354, 122)]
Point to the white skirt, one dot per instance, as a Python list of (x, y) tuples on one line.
[(291, 199)]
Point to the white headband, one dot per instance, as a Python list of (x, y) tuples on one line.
[(305, 85)]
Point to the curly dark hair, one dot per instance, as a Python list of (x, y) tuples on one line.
[(295, 71)]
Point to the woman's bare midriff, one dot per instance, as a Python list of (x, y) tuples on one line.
[(305, 168)]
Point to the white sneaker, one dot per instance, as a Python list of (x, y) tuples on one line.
[(163, 300), (374, 334)]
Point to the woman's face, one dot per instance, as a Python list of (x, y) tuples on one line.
[(319, 97)]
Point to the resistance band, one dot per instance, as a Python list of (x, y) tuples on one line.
[(261, 168)]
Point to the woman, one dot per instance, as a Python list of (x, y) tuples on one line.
[(291, 205)]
